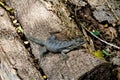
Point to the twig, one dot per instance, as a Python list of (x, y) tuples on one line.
[(99, 38)]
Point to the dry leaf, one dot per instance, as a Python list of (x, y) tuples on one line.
[(111, 32)]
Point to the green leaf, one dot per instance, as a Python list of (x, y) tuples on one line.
[(96, 32), (106, 53)]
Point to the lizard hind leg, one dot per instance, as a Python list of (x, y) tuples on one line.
[(43, 51), (63, 52)]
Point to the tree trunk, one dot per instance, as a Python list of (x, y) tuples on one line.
[(39, 18)]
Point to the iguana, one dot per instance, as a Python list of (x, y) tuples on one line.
[(54, 45)]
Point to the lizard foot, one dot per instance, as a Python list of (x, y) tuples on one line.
[(65, 57)]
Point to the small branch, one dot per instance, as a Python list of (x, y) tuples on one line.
[(99, 38)]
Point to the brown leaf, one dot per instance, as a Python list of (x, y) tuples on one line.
[(111, 32)]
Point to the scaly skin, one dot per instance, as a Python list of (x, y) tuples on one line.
[(54, 45)]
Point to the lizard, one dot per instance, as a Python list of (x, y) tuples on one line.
[(57, 46)]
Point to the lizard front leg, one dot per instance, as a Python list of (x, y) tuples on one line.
[(43, 51), (63, 52)]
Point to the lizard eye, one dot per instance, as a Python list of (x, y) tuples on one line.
[(80, 40)]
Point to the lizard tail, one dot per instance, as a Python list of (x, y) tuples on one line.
[(35, 40)]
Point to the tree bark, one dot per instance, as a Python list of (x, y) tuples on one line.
[(15, 61), (37, 18)]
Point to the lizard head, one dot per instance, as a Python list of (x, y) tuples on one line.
[(80, 40)]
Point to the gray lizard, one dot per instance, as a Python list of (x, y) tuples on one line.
[(54, 45)]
